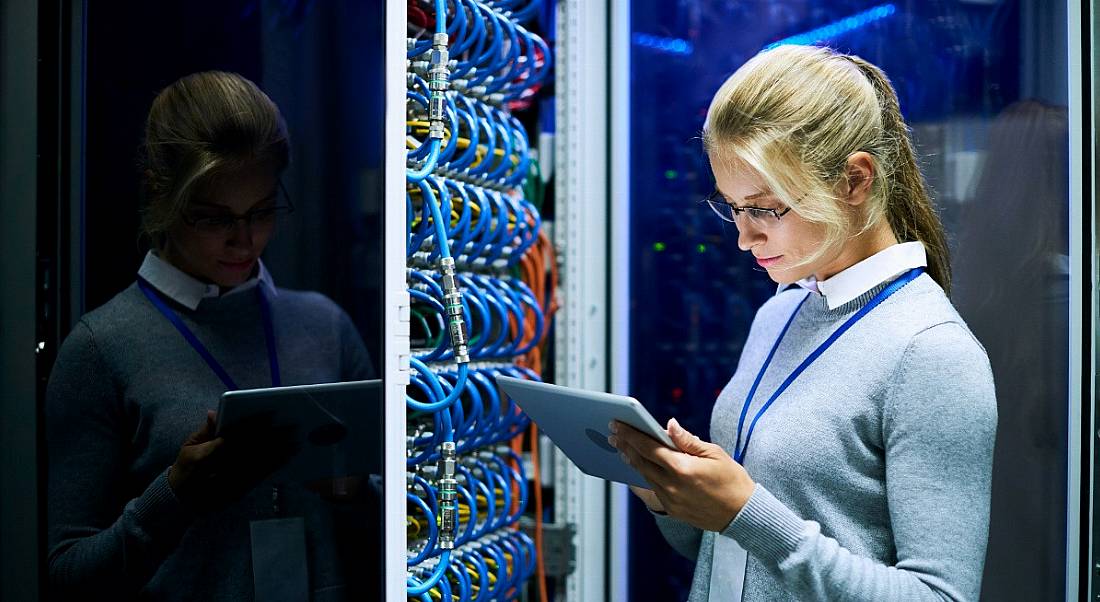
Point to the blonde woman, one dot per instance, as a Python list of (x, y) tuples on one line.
[(853, 445)]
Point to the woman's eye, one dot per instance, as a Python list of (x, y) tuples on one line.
[(214, 220), (264, 214)]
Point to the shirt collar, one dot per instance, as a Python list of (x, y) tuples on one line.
[(187, 290), (861, 277)]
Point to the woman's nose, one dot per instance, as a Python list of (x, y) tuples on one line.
[(241, 235), (749, 236)]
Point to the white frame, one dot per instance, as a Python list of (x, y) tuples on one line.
[(620, 278), (580, 233), (1079, 517), (396, 310)]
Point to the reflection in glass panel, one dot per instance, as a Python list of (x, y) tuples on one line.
[(288, 504), (983, 85)]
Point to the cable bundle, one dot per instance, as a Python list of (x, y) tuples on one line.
[(479, 304)]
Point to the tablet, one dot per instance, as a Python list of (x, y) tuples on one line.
[(336, 427), (576, 421)]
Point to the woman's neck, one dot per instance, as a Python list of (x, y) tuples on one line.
[(859, 248)]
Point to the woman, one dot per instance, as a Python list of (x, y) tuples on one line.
[(137, 508), (861, 416)]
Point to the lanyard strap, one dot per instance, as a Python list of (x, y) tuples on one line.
[(196, 344), (739, 450)]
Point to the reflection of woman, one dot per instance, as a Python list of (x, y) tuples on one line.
[(132, 513), (1018, 218), (861, 416)]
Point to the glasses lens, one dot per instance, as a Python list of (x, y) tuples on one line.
[(722, 209), (761, 217), (213, 226), (265, 217)]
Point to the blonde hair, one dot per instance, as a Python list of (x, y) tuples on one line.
[(794, 114), (203, 126)]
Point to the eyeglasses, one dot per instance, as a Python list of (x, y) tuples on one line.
[(759, 217), (256, 219)]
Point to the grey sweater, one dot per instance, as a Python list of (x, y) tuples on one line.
[(872, 468), (125, 392)]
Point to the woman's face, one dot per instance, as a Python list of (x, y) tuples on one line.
[(225, 256), (779, 246)]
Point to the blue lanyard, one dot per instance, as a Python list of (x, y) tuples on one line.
[(196, 344), (739, 450)]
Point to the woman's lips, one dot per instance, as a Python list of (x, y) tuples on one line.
[(767, 262), (238, 266)]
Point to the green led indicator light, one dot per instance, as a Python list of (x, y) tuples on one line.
[(701, 248), (671, 174), (658, 246)]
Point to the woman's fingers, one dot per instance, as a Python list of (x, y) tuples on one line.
[(651, 472), (652, 450), (701, 484), (205, 432)]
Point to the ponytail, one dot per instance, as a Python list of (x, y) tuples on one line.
[(909, 209)]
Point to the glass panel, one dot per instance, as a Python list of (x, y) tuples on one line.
[(316, 502), (984, 86)]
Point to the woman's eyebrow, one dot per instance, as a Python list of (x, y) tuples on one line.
[(209, 205), (763, 194)]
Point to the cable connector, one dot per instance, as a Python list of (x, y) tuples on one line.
[(439, 75), (456, 322), (448, 490)]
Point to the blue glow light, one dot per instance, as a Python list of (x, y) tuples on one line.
[(837, 28), (661, 44)]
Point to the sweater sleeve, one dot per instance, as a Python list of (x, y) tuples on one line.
[(683, 538), (939, 424), (99, 541), (355, 360)]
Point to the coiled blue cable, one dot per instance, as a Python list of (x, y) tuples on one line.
[(431, 510), (462, 581), (429, 165), (508, 66), (416, 588), (502, 571), (482, 578), (443, 401)]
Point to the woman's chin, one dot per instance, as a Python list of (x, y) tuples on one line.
[(228, 275), (782, 276)]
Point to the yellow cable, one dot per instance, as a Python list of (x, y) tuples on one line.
[(463, 144)]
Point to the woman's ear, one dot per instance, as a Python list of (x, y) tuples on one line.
[(859, 172)]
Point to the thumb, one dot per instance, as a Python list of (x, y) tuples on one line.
[(206, 431), (688, 443)]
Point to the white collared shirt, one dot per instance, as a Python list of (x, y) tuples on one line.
[(187, 290), (861, 277)]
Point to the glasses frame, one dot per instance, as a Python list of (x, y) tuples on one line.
[(718, 205), (248, 217)]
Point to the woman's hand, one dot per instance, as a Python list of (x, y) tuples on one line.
[(212, 472), (650, 498), (699, 484)]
